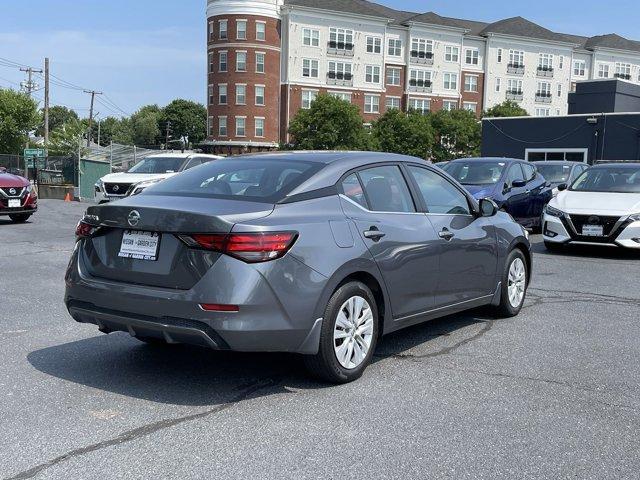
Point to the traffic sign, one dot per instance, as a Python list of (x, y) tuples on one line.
[(35, 152)]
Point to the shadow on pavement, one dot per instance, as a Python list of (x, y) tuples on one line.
[(587, 251), (185, 375)]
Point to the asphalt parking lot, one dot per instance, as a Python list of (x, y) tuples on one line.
[(552, 393)]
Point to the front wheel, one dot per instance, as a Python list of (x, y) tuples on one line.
[(514, 285), (20, 218), (348, 336)]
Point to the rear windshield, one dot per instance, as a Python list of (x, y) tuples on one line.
[(474, 172), (258, 180), (158, 165), (555, 173), (608, 179)]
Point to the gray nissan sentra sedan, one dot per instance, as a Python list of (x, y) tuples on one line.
[(318, 253)]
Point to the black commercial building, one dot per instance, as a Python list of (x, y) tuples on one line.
[(603, 124)]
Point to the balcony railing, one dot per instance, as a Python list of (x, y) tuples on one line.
[(339, 78), (622, 76), (420, 86), (545, 72), (421, 58), (543, 97), (515, 68), (515, 95), (340, 48)]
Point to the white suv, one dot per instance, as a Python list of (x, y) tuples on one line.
[(602, 207), (150, 170)]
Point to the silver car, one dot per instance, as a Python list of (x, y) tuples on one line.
[(319, 253)]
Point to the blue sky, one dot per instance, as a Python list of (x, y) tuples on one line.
[(151, 51)]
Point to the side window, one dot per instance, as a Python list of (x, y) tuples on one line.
[(515, 173), (529, 172), (439, 194), (353, 189), (386, 190)]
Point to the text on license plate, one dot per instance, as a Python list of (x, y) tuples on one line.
[(140, 245), (14, 203), (592, 230)]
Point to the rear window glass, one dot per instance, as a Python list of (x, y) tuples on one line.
[(158, 165), (259, 180)]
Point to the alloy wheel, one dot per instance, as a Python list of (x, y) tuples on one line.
[(517, 282), (353, 332)]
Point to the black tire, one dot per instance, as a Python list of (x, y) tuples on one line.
[(504, 309), (325, 365), (19, 217), (553, 247)]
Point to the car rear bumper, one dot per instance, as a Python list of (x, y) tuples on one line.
[(559, 230), (273, 315)]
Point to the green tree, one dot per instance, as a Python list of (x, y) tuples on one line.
[(18, 116), (508, 108), (188, 121), (145, 125), (458, 134), (66, 139), (405, 133), (58, 116), (329, 124)]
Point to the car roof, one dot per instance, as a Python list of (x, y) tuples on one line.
[(489, 159), (617, 165), (180, 155), (560, 162), (328, 156)]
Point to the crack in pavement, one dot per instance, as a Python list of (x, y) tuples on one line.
[(144, 431), (555, 297)]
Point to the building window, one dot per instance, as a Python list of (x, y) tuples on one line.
[(241, 29), (259, 126), (309, 68), (241, 94), (374, 45), (341, 39), (516, 58), (241, 61), (420, 78), (559, 89), (211, 62), (449, 105), (472, 56), (340, 70), (623, 70), (372, 74), (259, 62), (261, 31), (222, 94), (222, 62), (392, 103), (544, 89), (561, 62), (421, 48), (308, 96), (470, 106), (603, 70), (260, 95), (420, 105), (545, 62), (514, 87), (499, 55), (395, 47), (451, 53), (210, 126), (393, 76), (579, 68), (344, 96), (371, 104), (241, 124), (210, 32), (543, 112), (223, 29), (450, 81), (498, 84), (210, 95), (222, 126), (310, 37), (471, 83)]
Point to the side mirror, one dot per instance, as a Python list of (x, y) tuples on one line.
[(562, 187), (488, 208), (518, 183)]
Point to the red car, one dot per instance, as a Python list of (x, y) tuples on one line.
[(18, 199)]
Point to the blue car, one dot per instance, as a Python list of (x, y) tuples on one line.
[(515, 185)]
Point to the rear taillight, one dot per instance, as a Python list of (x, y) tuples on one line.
[(248, 247), (84, 230)]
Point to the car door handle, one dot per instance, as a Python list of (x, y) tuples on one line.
[(446, 234), (374, 234)]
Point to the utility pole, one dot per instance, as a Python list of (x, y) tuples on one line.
[(93, 94), (29, 86), (166, 142), (46, 102)]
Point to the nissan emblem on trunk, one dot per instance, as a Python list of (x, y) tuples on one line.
[(133, 218)]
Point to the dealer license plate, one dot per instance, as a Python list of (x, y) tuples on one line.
[(592, 231), (14, 203), (139, 245)]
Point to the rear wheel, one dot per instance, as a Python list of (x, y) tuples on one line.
[(20, 217), (348, 337), (514, 285)]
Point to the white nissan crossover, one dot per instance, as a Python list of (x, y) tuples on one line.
[(147, 172), (601, 207)]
